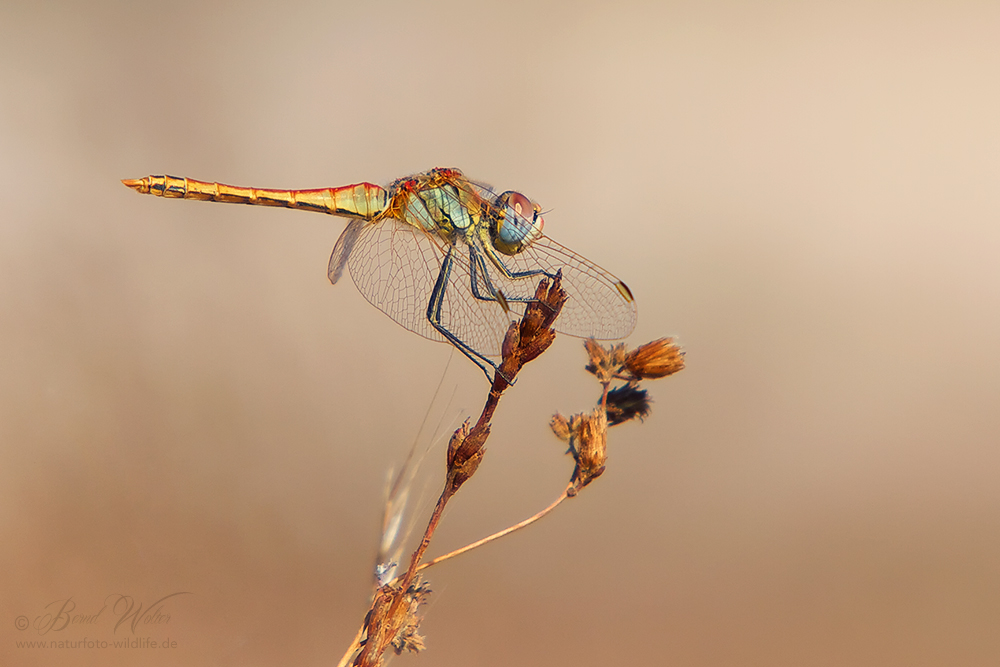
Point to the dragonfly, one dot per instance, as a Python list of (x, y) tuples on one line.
[(444, 256)]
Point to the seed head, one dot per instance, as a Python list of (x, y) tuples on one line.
[(657, 359), (465, 453), (605, 363), (560, 426), (588, 443), (393, 625), (627, 402)]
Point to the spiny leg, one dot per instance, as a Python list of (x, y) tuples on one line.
[(477, 266), (434, 308)]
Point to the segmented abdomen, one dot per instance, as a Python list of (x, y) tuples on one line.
[(361, 200)]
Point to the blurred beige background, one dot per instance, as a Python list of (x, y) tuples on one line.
[(807, 194)]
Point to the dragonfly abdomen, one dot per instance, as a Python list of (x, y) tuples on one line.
[(361, 200)]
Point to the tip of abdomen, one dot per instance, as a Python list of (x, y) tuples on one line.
[(137, 184)]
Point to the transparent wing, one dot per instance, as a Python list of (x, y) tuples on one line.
[(596, 308), (395, 266), (599, 305), (343, 249)]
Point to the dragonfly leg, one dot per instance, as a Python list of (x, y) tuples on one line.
[(434, 308), (477, 266)]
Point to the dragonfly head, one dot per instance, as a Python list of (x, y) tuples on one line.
[(517, 224)]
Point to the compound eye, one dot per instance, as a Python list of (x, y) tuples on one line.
[(515, 232), (537, 210), (521, 205)]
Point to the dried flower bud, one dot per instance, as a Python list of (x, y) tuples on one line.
[(589, 446), (457, 438), (560, 426), (406, 638), (625, 403), (511, 340), (599, 358), (533, 333), (465, 453), (605, 363), (657, 359), (392, 621), (536, 325)]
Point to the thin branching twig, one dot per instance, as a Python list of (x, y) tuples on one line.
[(393, 620)]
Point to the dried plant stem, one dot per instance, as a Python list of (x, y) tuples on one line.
[(425, 542), (355, 645), (495, 536), (399, 600), (391, 620), (481, 426)]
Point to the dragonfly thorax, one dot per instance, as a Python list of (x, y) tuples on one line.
[(517, 223), (437, 203)]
